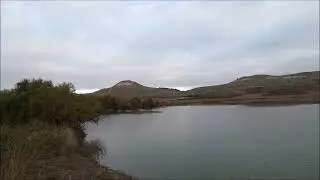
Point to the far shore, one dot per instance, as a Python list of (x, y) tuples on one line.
[(138, 111), (252, 100)]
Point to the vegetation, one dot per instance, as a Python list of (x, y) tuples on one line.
[(42, 134), (41, 100)]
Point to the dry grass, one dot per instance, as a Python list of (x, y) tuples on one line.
[(22, 145), (35, 152)]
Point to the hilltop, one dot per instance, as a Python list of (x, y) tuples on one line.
[(128, 89)]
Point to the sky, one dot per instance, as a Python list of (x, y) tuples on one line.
[(177, 44)]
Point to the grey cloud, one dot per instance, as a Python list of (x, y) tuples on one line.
[(173, 44)]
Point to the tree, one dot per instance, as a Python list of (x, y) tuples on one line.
[(67, 86), (41, 100), (135, 103), (148, 103)]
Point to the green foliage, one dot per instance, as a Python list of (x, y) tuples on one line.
[(109, 103), (136, 103), (42, 135), (148, 103), (58, 104), (41, 100)]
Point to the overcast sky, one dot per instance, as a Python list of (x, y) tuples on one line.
[(167, 44)]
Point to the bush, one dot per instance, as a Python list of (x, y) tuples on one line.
[(42, 136), (39, 99)]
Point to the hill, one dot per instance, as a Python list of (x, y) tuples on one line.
[(261, 87), (128, 89), (284, 84)]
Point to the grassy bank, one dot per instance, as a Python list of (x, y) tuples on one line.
[(42, 134), (39, 151)]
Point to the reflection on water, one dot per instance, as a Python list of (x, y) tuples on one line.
[(192, 142)]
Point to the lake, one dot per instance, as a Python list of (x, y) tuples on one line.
[(213, 142)]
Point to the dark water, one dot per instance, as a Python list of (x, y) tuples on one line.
[(214, 142)]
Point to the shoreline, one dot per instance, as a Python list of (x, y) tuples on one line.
[(138, 111), (251, 100), (258, 103)]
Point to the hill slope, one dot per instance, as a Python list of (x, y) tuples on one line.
[(128, 89), (266, 85), (290, 84)]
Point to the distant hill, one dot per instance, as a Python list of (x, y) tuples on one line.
[(297, 83), (290, 83), (128, 89)]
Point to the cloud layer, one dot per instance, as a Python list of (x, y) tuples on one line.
[(172, 43)]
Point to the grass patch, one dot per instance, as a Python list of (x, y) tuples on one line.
[(42, 152)]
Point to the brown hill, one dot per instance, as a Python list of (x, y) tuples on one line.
[(128, 89), (290, 84), (298, 83)]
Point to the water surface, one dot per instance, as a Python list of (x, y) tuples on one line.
[(213, 142)]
